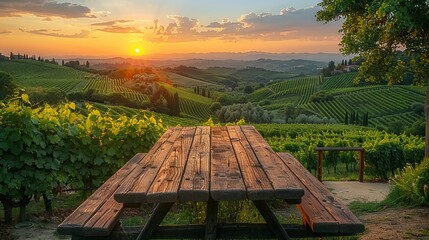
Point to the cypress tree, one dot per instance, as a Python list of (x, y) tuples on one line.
[(176, 106), (11, 56), (357, 118), (87, 64), (346, 118), (62, 62)]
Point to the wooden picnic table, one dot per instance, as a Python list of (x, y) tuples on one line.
[(212, 164)]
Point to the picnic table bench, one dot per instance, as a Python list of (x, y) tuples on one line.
[(211, 164)]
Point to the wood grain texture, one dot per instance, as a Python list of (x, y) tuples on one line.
[(319, 207), (225, 175), (195, 182), (99, 213), (138, 181), (280, 176), (257, 184), (166, 184)]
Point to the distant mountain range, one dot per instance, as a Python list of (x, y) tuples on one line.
[(270, 61), (245, 56)]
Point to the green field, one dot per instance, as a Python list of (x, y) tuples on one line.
[(31, 73), (384, 104)]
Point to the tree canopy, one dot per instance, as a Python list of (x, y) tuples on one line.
[(391, 35), (7, 86)]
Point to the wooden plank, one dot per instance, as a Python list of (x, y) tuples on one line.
[(138, 181), (280, 176), (257, 184), (226, 181), (339, 149), (166, 184), (103, 221), (195, 181), (84, 217), (318, 198), (155, 219), (271, 219)]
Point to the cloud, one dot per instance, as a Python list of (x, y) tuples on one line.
[(181, 30), (117, 26), (111, 23), (56, 33), (5, 32), (43, 8), (289, 23)]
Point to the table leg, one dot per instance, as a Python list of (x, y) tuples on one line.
[(271, 219), (155, 219), (211, 219)]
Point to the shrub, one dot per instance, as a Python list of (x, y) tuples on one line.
[(250, 112), (418, 128), (215, 106), (48, 147), (248, 89), (413, 183), (52, 96), (7, 86), (321, 96), (417, 108), (384, 157)]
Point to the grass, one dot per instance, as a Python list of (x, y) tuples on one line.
[(393, 200)]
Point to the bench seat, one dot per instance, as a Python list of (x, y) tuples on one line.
[(99, 214), (320, 210)]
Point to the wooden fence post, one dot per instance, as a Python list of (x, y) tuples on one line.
[(319, 167), (362, 165), (361, 162)]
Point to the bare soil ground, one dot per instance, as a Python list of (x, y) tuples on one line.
[(400, 223)]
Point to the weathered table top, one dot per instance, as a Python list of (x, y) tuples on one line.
[(198, 163)]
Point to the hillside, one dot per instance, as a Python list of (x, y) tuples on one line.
[(274, 91), (29, 74), (383, 104)]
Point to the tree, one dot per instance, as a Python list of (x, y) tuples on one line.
[(248, 89), (7, 86), (346, 118), (215, 106), (175, 105), (331, 66), (381, 32), (11, 56), (87, 64)]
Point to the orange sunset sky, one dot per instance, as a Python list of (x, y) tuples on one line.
[(118, 27)]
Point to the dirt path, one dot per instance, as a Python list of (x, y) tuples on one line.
[(356, 191), (397, 224), (401, 223)]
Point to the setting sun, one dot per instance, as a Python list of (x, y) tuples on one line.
[(137, 50)]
